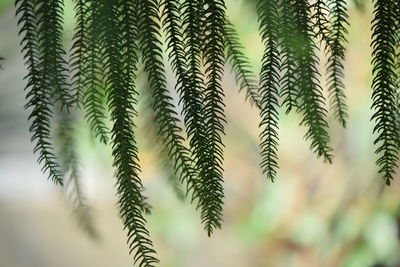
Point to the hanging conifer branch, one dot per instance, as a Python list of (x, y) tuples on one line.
[(289, 80), (397, 66), (79, 51), (166, 165), (384, 49), (166, 118), (188, 82), (320, 21), (269, 84), (241, 65), (336, 55), (211, 171), (38, 95), (121, 97), (87, 67), (310, 93), (52, 54)]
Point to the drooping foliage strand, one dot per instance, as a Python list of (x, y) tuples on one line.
[(329, 20), (383, 85), (87, 68), (336, 54), (397, 67), (320, 20), (187, 85), (39, 94), (269, 84), (310, 96), (289, 90), (241, 66), (112, 37), (211, 171), (122, 98), (166, 116), (52, 55)]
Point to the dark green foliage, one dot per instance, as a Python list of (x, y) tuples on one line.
[(51, 52), (121, 98), (289, 65), (241, 65), (329, 23), (310, 96), (336, 51), (40, 91), (383, 85), (269, 84), (87, 67), (397, 68), (320, 21), (112, 37), (187, 83), (211, 171)]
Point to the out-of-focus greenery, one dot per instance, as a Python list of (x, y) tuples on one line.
[(313, 215)]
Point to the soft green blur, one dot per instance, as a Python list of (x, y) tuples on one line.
[(313, 215)]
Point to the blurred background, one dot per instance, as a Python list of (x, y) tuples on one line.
[(313, 215)]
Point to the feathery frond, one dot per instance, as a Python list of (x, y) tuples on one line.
[(241, 65), (397, 68), (211, 171), (383, 85), (165, 164), (289, 90), (336, 55), (39, 94), (269, 84), (51, 52), (311, 100), (121, 98), (320, 20), (188, 85), (87, 66)]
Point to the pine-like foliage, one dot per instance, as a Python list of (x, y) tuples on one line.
[(87, 68), (336, 54), (289, 90), (211, 171), (329, 22), (384, 82), (310, 96), (120, 62), (397, 67), (269, 84), (39, 84), (241, 65), (187, 83), (51, 52), (319, 17), (111, 39)]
